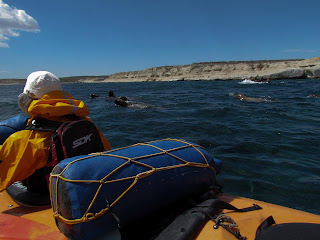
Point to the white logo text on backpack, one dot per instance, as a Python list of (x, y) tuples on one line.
[(81, 141)]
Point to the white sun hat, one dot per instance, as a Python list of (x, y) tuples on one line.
[(41, 82)]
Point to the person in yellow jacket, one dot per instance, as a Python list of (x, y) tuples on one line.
[(26, 151)]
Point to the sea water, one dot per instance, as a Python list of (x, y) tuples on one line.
[(269, 150)]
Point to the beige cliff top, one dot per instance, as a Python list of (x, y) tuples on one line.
[(234, 70)]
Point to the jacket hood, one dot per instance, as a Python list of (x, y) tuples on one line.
[(55, 105)]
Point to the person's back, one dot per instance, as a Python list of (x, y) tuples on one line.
[(26, 151)]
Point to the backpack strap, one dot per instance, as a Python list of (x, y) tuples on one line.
[(44, 125)]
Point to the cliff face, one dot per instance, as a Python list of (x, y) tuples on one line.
[(272, 69), (268, 69)]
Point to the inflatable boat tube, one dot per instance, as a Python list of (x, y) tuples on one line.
[(96, 194), (12, 125)]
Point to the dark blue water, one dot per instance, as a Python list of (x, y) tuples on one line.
[(270, 150)]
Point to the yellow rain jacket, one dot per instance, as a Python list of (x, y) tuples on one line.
[(27, 150)]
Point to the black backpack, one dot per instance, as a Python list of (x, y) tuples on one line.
[(76, 137)]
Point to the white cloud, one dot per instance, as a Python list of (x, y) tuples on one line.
[(11, 20)]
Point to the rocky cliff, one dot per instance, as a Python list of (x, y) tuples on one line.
[(269, 69), (261, 70)]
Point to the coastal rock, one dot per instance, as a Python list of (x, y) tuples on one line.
[(234, 70), (313, 72), (267, 69), (287, 74)]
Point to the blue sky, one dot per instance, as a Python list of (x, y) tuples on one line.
[(101, 37)]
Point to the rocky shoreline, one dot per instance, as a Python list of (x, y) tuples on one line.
[(236, 70)]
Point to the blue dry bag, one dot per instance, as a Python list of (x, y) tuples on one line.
[(93, 194)]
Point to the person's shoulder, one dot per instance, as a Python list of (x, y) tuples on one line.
[(23, 138)]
